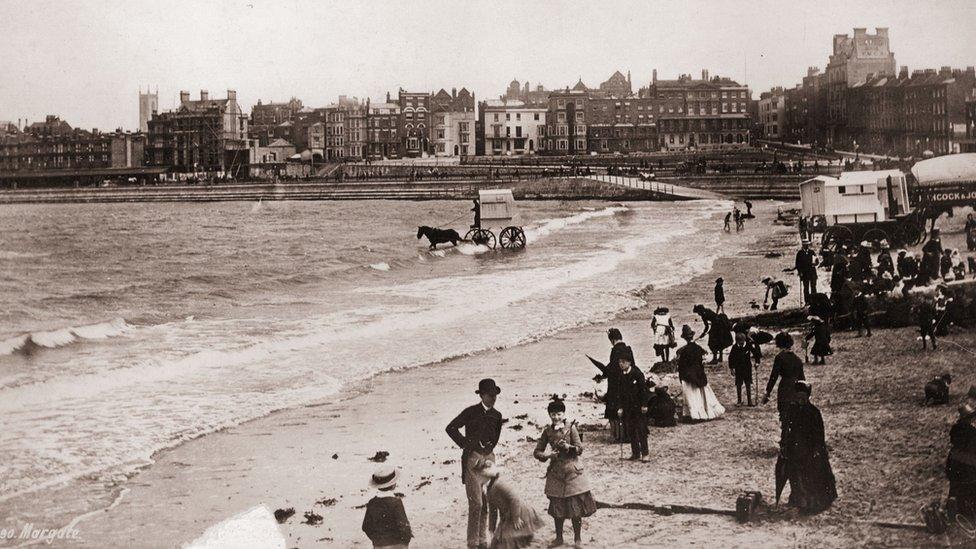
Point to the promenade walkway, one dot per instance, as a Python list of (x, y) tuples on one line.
[(678, 192)]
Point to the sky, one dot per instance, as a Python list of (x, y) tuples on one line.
[(87, 60)]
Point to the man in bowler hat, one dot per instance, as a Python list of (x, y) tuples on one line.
[(482, 425)]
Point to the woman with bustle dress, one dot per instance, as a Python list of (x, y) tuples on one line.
[(567, 487), (700, 401)]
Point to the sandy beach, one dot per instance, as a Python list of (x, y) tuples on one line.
[(315, 458)]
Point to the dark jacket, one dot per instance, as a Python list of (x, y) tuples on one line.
[(789, 367), (719, 294), (821, 340), (804, 264), (482, 428), (691, 367), (612, 372), (386, 522), (740, 361), (633, 391), (961, 464)]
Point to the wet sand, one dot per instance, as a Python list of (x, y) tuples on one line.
[(307, 457)]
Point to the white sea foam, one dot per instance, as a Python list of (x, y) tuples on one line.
[(380, 266), (548, 226), (65, 336)]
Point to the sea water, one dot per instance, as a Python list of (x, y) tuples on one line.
[(125, 329)]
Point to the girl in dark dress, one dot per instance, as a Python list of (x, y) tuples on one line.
[(821, 340), (803, 455), (787, 370)]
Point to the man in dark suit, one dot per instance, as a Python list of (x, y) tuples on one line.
[(482, 425), (806, 269), (633, 404)]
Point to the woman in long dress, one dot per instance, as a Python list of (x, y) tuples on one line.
[(804, 457), (700, 401)]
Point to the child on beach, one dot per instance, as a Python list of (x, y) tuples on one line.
[(567, 487), (385, 523), (719, 296), (662, 329), (517, 522), (821, 340)]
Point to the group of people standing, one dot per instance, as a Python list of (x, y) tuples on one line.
[(735, 214)]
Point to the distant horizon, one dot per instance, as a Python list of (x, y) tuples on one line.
[(92, 74)]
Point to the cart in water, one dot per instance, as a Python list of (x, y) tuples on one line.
[(498, 212)]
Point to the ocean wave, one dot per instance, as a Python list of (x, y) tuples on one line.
[(10, 254), (51, 339), (549, 226)]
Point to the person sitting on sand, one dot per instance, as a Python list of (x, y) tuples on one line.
[(803, 451), (661, 408), (700, 402), (662, 333), (517, 522), (567, 487), (482, 425), (787, 369), (385, 523)]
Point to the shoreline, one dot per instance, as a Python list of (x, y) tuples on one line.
[(167, 462)]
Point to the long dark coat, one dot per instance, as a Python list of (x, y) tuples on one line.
[(803, 448), (961, 465)]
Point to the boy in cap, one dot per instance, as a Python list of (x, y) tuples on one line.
[(385, 523), (740, 364), (482, 425)]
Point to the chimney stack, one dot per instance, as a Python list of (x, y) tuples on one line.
[(881, 31), (454, 93), (654, 76), (204, 95), (184, 96), (232, 95)]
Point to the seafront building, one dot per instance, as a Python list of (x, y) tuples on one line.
[(382, 129), (453, 120), (204, 136), (861, 104), (414, 123), (772, 113), (512, 128)]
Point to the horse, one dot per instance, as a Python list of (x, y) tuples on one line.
[(438, 236)]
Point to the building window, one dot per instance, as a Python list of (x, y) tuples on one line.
[(508, 116), (536, 116)]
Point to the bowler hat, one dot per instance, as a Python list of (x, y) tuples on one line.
[(488, 386), (687, 332), (384, 478), (803, 387)]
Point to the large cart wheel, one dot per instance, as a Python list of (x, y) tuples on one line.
[(512, 238), (471, 234), (485, 237), (836, 236), (910, 234), (875, 236)]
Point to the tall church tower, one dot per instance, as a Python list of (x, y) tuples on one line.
[(148, 104)]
